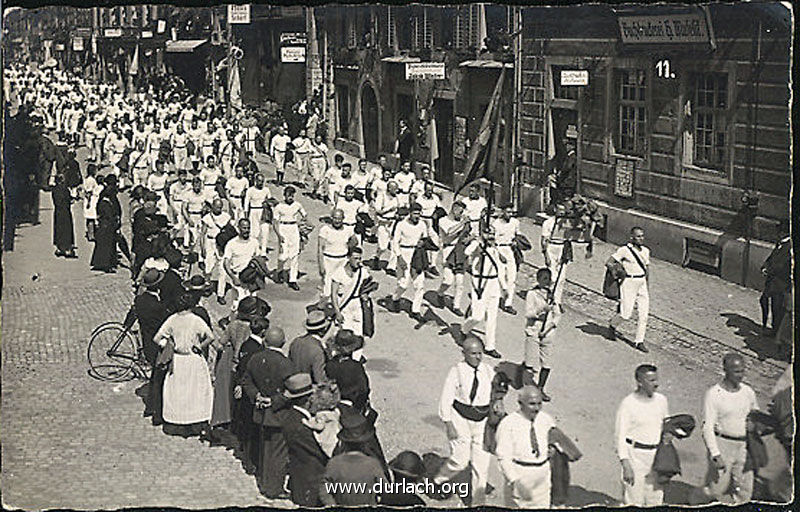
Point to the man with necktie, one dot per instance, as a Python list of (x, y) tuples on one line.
[(464, 407)]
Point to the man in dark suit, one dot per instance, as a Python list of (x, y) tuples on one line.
[(307, 460), (778, 271), (263, 386), (151, 313), (243, 410), (307, 352)]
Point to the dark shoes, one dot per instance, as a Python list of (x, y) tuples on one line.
[(221, 301), (294, 287), (493, 353), (509, 309), (545, 396), (641, 348)]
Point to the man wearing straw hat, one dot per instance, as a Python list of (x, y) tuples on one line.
[(307, 459), (307, 352)]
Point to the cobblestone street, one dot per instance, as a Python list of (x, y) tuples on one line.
[(71, 441)]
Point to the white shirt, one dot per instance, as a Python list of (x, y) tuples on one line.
[(238, 253), (214, 223), (726, 413), (287, 213), (458, 384), (640, 420), (350, 209), (334, 241), (255, 197), (278, 143), (505, 231), (514, 441), (490, 268), (473, 208), (405, 180), (236, 187), (624, 256), (428, 204), (407, 235)]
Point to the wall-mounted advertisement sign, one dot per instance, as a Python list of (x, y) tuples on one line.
[(677, 28)]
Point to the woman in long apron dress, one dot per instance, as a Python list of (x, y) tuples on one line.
[(109, 213)]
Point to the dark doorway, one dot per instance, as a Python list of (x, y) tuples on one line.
[(565, 127), (443, 113), (369, 123)]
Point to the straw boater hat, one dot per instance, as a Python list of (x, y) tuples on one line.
[(297, 386), (316, 320)]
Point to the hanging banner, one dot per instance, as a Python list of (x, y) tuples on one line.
[(239, 14), (425, 71), (293, 54), (77, 44), (676, 28)]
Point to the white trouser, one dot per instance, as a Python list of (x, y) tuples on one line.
[(554, 252), (241, 293), (484, 308), (448, 279), (193, 232), (407, 279), (330, 265), (317, 170), (508, 273), (259, 230), (289, 255), (467, 449), (280, 160), (732, 480), (154, 158), (212, 257), (237, 210), (645, 491), (538, 351), (531, 489), (384, 244), (633, 290)]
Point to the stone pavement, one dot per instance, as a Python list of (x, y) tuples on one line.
[(70, 441)]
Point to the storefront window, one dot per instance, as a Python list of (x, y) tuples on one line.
[(709, 120), (631, 128), (343, 108)]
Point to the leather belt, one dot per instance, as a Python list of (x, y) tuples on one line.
[(288, 223), (334, 256), (256, 207), (503, 245), (731, 438), (349, 223), (530, 464), (471, 412), (641, 446), (635, 277), (195, 213), (406, 246), (484, 277)]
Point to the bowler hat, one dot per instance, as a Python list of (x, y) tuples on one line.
[(152, 277), (316, 320), (297, 386), (355, 428), (197, 283), (408, 464), (346, 342), (247, 308)]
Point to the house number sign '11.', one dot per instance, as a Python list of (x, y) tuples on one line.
[(664, 70)]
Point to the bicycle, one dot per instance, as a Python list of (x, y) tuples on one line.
[(115, 353)]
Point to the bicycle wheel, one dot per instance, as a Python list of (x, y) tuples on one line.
[(111, 352)]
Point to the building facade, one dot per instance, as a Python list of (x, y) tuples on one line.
[(681, 119)]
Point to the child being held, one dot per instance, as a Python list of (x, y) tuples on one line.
[(325, 422)]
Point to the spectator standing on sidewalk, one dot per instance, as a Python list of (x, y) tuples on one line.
[(63, 230), (404, 145), (635, 259), (777, 270), (639, 425)]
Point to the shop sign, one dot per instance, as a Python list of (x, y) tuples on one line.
[(293, 54), (623, 177), (77, 44), (293, 38), (59, 47), (574, 77), (147, 34), (424, 70), (239, 14), (678, 28), (113, 32)]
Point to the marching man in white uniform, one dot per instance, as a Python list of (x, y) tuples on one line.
[(506, 228), (256, 200), (386, 210), (542, 317), (236, 256), (193, 202), (451, 228), (350, 207), (140, 164), (486, 288), (236, 187), (640, 423), (157, 182), (475, 207), (177, 192), (635, 259), (464, 407), (277, 150), (332, 249), (212, 223), (285, 221), (553, 241), (345, 289), (409, 235)]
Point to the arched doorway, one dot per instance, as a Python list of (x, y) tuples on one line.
[(369, 123)]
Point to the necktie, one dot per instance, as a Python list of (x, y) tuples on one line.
[(474, 390), (534, 441)]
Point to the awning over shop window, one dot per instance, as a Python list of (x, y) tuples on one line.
[(185, 46), (485, 64), (401, 59)]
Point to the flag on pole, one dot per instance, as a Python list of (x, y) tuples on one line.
[(482, 31), (433, 141), (134, 69), (475, 167), (235, 87), (551, 138)]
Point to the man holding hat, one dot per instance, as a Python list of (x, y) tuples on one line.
[(263, 384), (506, 228), (464, 408), (352, 466), (307, 352), (307, 459), (453, 229), (346, 292), (211, 224)]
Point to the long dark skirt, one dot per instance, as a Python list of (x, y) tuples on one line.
[(104, 256), (63, 230), (221, 413)]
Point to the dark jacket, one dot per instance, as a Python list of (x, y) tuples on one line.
[(151, 313), (308, 356), (420, 262), (565, 452), (170, 289), (351, 378), (372, 445), (667, 463), (265, 373), (778, 267), (307, 460)]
